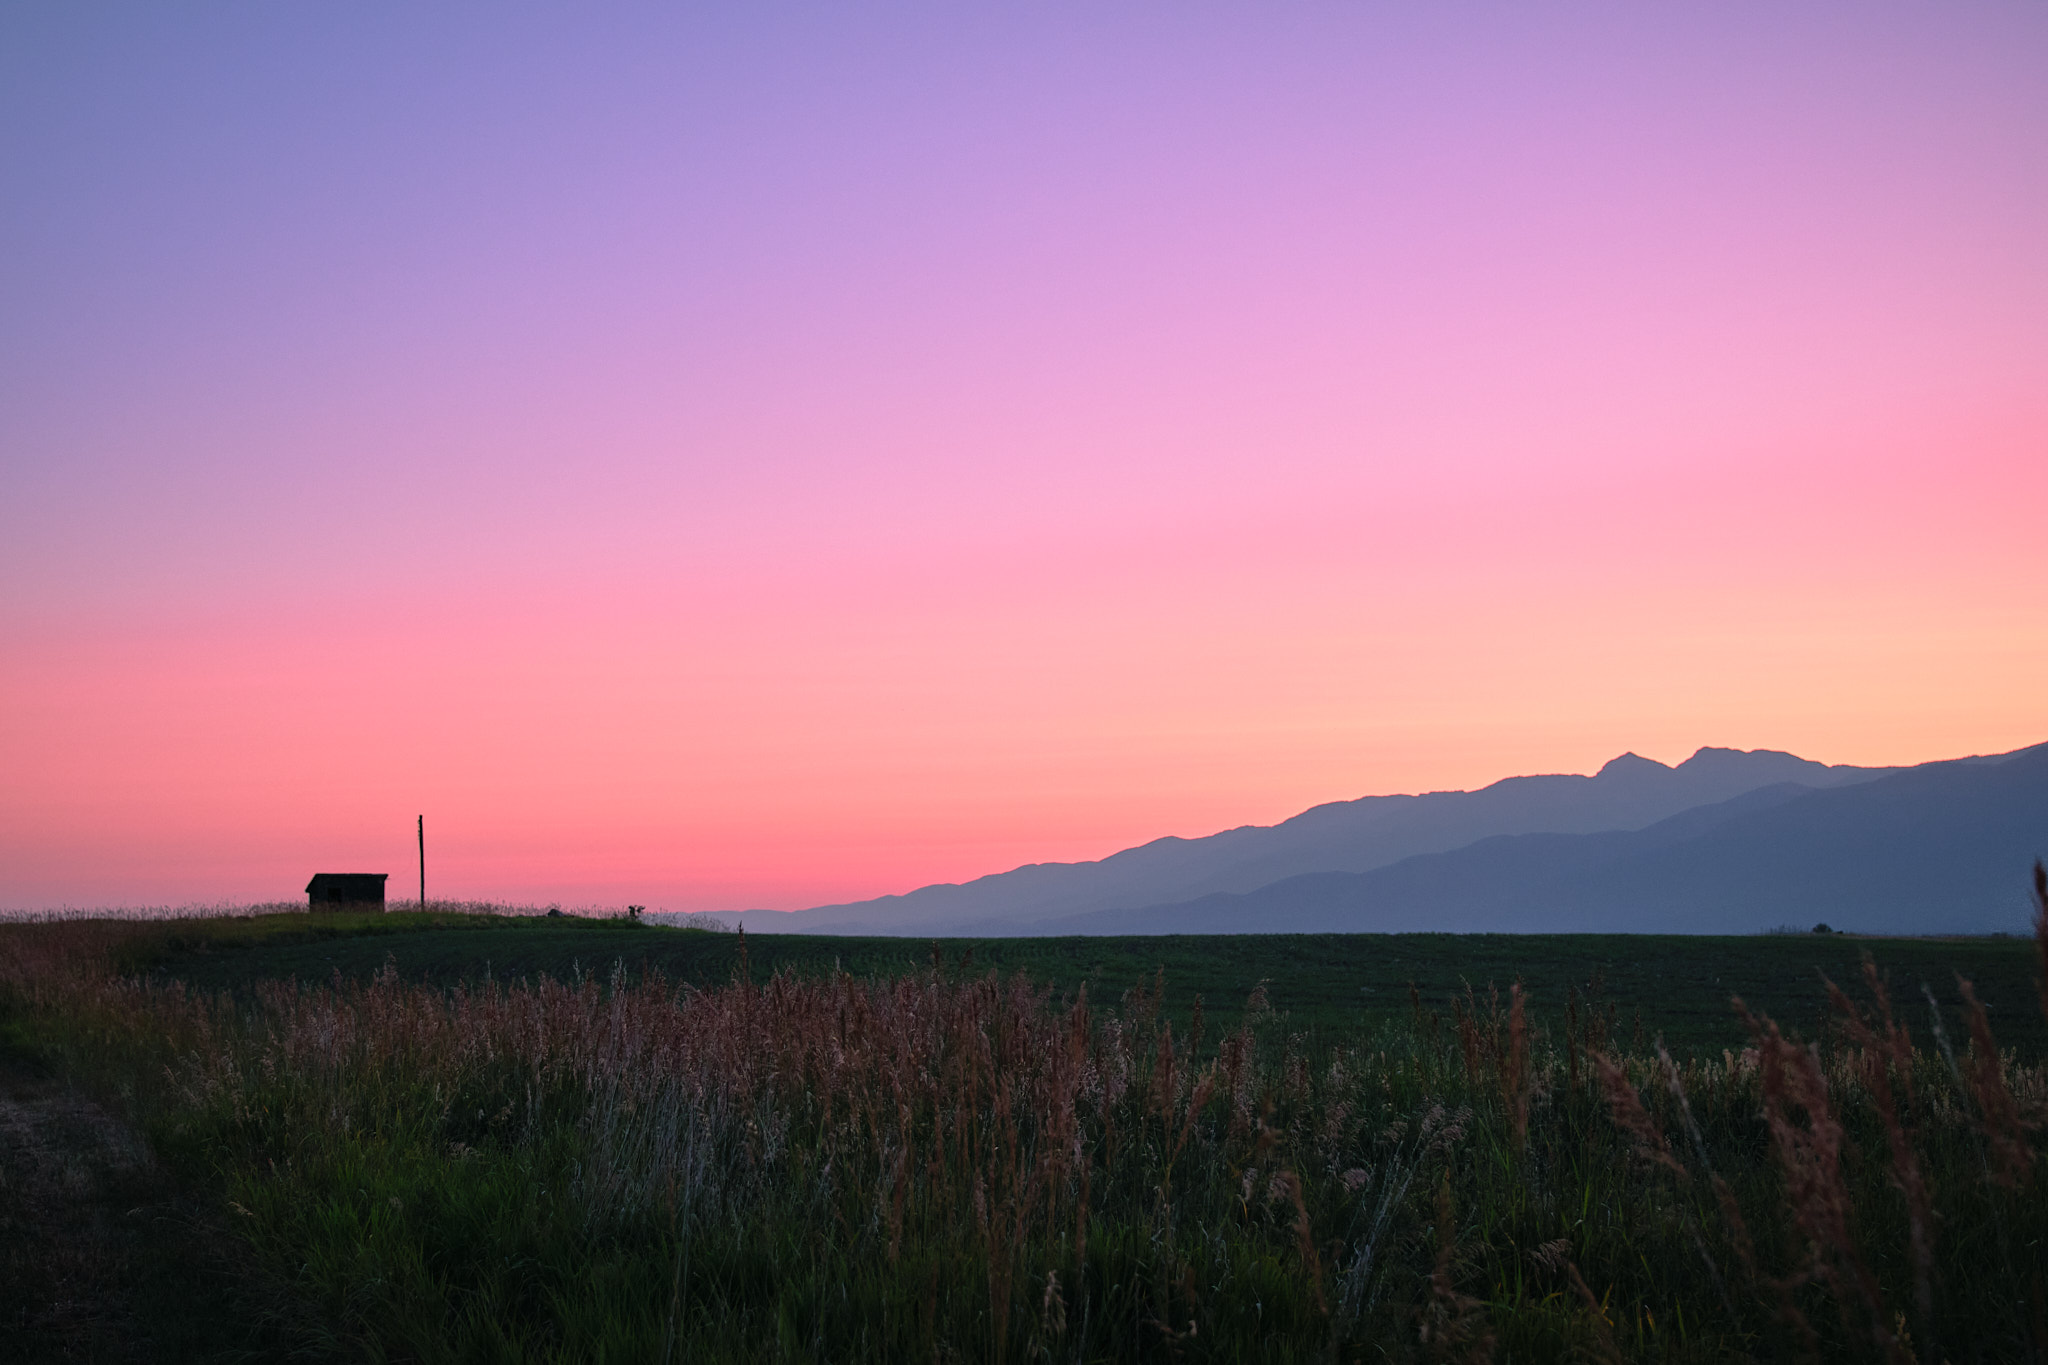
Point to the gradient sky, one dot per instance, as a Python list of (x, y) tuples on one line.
[(812, 451)]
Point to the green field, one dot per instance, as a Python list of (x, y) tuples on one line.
[(455, 1138), (1335, 984)]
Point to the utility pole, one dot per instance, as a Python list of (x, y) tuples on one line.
[(423, 861)]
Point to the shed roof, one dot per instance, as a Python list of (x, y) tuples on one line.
[(347, 885)]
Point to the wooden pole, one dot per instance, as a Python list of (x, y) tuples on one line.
[(423, 861)]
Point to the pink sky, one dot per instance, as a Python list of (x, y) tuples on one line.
[(809, 454)]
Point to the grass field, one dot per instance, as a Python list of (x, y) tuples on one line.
[(470, 1138), (1340, 984)]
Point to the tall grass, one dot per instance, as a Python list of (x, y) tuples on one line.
[(951, 1166)]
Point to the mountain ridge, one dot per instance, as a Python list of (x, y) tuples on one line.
[(1940, 847), (1358, 835)]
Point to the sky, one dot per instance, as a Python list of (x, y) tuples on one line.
[(773, 454)]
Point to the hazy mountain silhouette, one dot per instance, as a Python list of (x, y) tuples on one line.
[(1372, 832), (1941, 848)]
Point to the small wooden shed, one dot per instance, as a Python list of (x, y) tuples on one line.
[(358, 892)]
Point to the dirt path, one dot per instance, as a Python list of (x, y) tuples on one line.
[(102, 1259)]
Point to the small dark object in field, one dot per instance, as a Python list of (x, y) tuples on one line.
[(356, 891), (634, 911), (555, 912), (1822, 928)]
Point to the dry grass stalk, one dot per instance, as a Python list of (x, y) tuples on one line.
[(1453, 1325), (1052, 1313), (1605, 1349), (1809, 1158), (1626, 1107), (1998, 1113), (1514, 1068), (1469, 1044), (1288, 1185), (1885, 1052), (1738, 1227), (1165, 1077), (1204, 1090)]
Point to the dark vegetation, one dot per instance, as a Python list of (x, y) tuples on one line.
[(1339, 985), (471, 1138)]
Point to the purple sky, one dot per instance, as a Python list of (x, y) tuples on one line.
[(773, 457)]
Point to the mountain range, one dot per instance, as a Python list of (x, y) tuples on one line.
[(1729, 841)]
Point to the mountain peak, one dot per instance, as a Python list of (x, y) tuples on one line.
[(1752, 766), (1710, 754), (1631, 764)]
